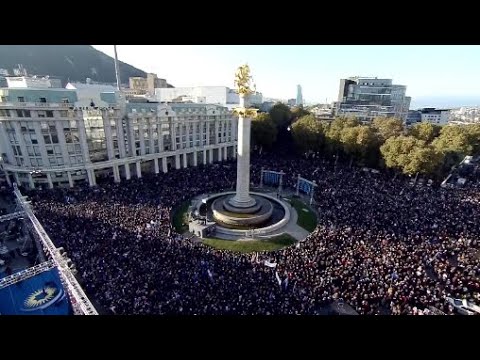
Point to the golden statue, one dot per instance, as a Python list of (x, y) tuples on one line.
[(243, 80), (245, 87)]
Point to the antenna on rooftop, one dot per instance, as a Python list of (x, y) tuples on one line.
[(117, 70)]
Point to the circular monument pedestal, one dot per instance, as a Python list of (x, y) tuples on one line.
[(236, 203), (231, 205), (226, 214)]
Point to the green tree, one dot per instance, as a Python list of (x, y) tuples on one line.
[(425, 131), (334, 132), (454, 144), (299, 112), (473, 133), (281, 116), (387, 127), (410, 155), (358, 141), (264, 131), (308, 133)]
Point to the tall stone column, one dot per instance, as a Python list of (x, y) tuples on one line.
[(49, 179), (70, 179), (177, 161), (31, 183), (116, 174), (139, 169), (242, 198), (127, 171), (164, 165), (185, 164), (91, 177)]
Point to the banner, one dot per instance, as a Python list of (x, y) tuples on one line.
[(305, 187), (270, 264), (42, 294), (271, 178)]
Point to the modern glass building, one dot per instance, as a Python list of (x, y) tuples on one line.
[(369, 97)]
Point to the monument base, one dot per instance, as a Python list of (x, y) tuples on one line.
[(250, 207), (247, 202), (225, 213)]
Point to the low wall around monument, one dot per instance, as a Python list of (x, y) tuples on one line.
[(260, 231)]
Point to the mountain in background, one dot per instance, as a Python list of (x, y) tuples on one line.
[(68, 62)]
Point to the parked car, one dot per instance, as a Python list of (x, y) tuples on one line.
[(464, 307)]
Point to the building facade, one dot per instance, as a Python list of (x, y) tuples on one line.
[(369, 97), (50, 137), (435, 116), (146, 86), (299, 100), (40, 82), (413, 117), (220, 95)]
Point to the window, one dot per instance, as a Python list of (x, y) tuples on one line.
[(65, 101), (43, 100), (3, 99), (49, 113), (21, 99), (63, 113), (23, 113), (4, 113)]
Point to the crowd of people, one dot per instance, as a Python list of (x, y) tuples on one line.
[(382, 245)]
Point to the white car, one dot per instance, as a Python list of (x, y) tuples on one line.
[(464, 307)]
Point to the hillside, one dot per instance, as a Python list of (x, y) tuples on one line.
[(68, 62)]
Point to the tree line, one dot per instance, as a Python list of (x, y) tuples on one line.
[(424, 148)]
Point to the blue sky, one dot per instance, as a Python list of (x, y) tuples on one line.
[(434, 75)]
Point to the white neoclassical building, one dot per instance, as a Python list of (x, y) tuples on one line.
[(49, 137)]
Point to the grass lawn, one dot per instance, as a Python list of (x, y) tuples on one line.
[(306, 219), (272, 244), (180, 221)]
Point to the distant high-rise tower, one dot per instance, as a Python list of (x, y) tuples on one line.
[(299, 96)]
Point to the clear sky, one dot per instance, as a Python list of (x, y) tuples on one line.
[(434, 75)]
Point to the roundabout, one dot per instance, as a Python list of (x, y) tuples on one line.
[(241, 214), (272, 215)]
